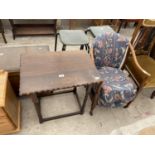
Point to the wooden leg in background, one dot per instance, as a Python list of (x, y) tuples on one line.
[(4, 38), (153, 94), (81, 47), (63, 47), (56, 38)]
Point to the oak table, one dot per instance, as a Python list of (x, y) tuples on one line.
[(56, 73)]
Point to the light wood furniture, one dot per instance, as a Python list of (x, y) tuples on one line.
[(55, 73), (143, 57), (9, 107), (10, 61), (147, 131), (26, 27), (137, 71)]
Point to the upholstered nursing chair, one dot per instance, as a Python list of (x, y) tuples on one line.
[(109, 54)]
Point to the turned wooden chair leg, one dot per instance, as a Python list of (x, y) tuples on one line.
[(152, 95), (126, 106)]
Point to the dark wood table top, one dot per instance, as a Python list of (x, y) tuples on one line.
[(56, 70)]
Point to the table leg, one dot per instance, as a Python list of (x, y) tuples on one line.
[(36, 102), (88, 88), (95, 99), (56, 38)]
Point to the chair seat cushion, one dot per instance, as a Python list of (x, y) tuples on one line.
[(73, 37), (98, 30), (117, 89)]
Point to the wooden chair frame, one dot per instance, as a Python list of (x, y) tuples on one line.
[(146, 23)]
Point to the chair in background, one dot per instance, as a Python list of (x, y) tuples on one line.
[(109, 54), (2, 31), (143, 40), (98, 30), (125, 22), (72, 38)]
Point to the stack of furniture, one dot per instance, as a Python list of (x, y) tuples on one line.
[(125, 22), (9, 107), (99, 22), (33, 27)]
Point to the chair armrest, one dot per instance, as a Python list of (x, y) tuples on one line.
[(136, 62)]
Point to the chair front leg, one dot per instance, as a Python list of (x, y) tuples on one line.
[(96, 97)]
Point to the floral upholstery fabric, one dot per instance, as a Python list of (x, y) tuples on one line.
[(109, 49), (117, 89)]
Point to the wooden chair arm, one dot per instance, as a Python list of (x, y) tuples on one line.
[(136, 62)]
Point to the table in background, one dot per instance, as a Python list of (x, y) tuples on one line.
[(10, 61)]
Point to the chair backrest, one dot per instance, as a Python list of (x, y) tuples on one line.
[(138, 74), (143, 35), (110, 49)]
